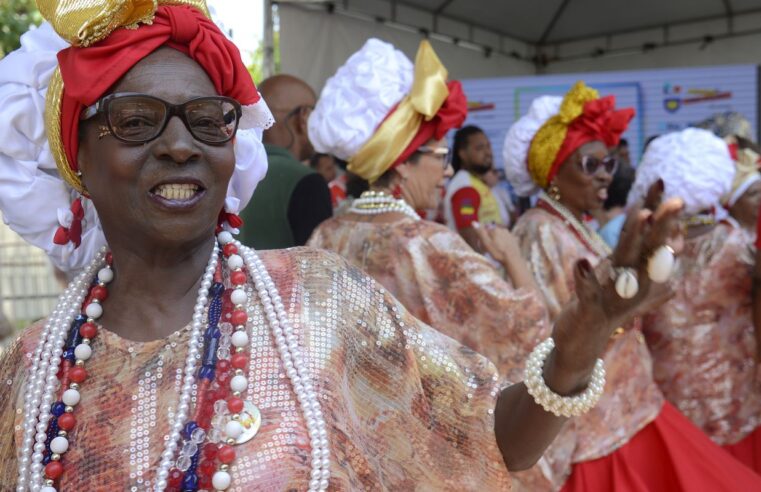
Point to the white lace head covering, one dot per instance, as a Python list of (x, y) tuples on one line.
[(34, 199), (694, 165), (358, 97), (518, 141)]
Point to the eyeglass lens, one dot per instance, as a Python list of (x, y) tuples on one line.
[(140, 118), (441, 153), (590, 164)]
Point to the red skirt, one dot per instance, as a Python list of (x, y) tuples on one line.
[(668, 455), (748, 451)]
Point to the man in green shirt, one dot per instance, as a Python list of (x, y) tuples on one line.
[(292, 200)]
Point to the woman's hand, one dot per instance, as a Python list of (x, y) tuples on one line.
[(584, 327), (504, 247), (499, 242)]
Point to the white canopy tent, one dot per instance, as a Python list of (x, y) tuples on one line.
[(487, 38)]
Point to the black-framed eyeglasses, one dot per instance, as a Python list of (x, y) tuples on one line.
[(441, 153), (591, 164), (140, 118)]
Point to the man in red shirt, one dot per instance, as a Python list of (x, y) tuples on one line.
[(469, 199)]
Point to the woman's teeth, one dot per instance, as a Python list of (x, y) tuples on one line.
[(176, 191)]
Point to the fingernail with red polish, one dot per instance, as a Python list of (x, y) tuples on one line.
[(650, 219), (585, 268), (659, 185)]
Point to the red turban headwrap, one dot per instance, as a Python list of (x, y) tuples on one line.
[(89, 72), (583, 117), (600, 121)]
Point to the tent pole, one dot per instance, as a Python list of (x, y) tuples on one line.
[(269, 41)]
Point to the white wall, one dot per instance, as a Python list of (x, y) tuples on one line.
[(313, 44)]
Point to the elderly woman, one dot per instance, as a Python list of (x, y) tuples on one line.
[(631, 440), (182, 360), (426, 266), (703, 342)]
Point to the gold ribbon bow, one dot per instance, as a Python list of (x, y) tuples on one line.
[(746, 168), (84, 22), (428, 93)]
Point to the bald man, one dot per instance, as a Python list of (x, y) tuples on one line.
[(293, 199)]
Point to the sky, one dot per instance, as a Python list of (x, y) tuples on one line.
[(245, 19)]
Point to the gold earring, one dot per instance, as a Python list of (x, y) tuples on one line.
[(104, 130), (554, 192)]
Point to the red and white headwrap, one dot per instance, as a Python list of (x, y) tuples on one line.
[(39, 185), (379, 108)]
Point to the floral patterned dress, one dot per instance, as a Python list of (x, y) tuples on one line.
[(406, 407), (703, 341), (631, 440), (443, 282), (631, 400), (440, 279)]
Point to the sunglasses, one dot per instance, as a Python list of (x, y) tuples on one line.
[(590, 164), (441, 153), (140, 118)]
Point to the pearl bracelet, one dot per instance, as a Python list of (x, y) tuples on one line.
[(561, 406)]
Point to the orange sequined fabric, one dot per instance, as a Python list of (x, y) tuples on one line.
[(443, 282), (406, 408), (631, 399), (702, 341)]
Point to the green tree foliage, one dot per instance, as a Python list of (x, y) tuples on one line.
[(15, 18), (256, 67)]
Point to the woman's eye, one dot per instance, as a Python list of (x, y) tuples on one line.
[(135, 122), (208, 123)]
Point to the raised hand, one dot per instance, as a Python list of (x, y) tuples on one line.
[(583, 329), (503, 246), (498, 241)]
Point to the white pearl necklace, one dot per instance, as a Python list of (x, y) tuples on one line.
[(594, 241), (42, 385), (378, 202), (42, 382), (297, 371), (194, 351)]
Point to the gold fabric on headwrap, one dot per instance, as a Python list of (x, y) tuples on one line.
[(53, 129), (84, 22), (550, 137), (746, 165), (746, 172), (429, 92)]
